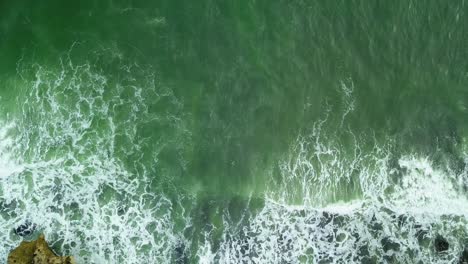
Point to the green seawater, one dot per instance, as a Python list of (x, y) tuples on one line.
[(247, 131)]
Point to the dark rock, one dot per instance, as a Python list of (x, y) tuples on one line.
[(402, 220), (25, 229), (388, 245), (368, 260), (180, 253), (326, 219), (464, 257), (364, 251), (422, 236), (441, 244)]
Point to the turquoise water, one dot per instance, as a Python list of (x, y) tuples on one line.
[(236, 131)]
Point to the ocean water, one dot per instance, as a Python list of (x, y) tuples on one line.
[(236, 131)]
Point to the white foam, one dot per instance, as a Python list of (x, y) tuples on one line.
[(425, 190), (8, 165), (77, 191), (70, 183), (341, 207), (391, 219)]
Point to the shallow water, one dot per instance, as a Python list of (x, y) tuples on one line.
[(235, 132)]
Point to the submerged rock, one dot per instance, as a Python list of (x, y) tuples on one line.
[(464, 257), (441, 244), (36, 252), (25, 229)]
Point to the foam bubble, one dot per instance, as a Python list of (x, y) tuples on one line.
[(61, 167), (425, 190), (7, 163), (73, 163)]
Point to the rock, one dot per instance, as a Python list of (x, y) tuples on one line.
[(25, 229), (23, 254), (441, 244), (388, 245), (464, 257), (36, 252)]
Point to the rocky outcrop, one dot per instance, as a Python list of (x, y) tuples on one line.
[(36, 252)]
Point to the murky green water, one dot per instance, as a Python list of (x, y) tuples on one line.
[(236, 131)]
